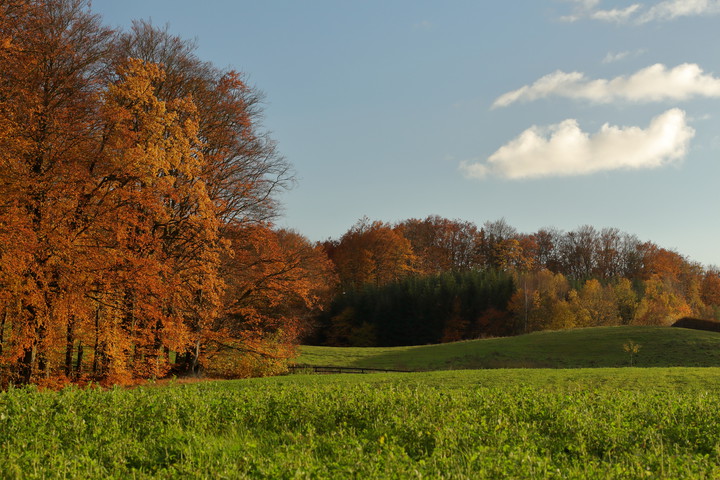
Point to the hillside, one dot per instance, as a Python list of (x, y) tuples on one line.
[(587, 347)]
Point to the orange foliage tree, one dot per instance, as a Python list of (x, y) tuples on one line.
[(371, 252), (443, 245), (50, 97), (276, 280), (120, 176)]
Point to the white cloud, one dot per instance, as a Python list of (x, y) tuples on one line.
[(565, 150), (587, 9), (639, 13), (617, 15), (672, 9), (651, 84), (617, 56)]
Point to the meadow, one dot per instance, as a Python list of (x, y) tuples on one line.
[(577, 348), (518, 423)]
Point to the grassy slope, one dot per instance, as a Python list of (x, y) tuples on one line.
[(588, 347)]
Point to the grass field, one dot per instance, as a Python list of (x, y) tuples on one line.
[(540, 423), (580, 348), (447, 422)]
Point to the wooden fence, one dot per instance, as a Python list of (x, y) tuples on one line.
[(325, 369)]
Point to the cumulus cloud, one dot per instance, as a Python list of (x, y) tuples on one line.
[(565, 150), (651, 84), (639, 13)]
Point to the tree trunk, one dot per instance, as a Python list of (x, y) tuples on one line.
[(43, 366), (2, 328), (189, 361), (69, 345), (26, 365), (25, 370), (96, 347), (195, 363), (78, 365)]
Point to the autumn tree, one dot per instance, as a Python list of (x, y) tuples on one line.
[(609, 262), (167, 235), (627, 300), (661, 262), (123, 160), (499, 245), (579, 252), (710, 291), (49, 89), (539, 303), (371, 252), (673, 286), (276, 281), (442, 245), (547, 255), (243, 169), (595, 305), (660, 303)]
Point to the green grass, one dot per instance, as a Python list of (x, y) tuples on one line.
[(585, 423), (580, 348)]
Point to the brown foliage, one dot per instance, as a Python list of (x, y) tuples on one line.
[(117, 175), (371, 252)]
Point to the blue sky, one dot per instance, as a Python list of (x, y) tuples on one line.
[(543, 112)]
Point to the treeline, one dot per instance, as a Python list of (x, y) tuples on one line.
[(137, 188), (421, 309), (426, 281)]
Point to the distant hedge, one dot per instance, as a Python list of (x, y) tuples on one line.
[(697, 324)]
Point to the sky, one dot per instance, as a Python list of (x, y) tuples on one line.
[(547, 113)]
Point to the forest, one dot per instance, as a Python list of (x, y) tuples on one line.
[(437, 280), (138, 201)]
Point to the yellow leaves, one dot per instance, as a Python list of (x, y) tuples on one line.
[(661, 304), (157, 140)]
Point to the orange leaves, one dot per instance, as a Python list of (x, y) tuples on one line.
[(156, 140), (711, 287), (272, 276), (372, 252), (441, 244), (662, 263), (111, 204), (274, 279)]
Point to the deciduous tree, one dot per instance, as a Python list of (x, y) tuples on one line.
[(372, 252)]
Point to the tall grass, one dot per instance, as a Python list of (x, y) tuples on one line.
[(528, 424)]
